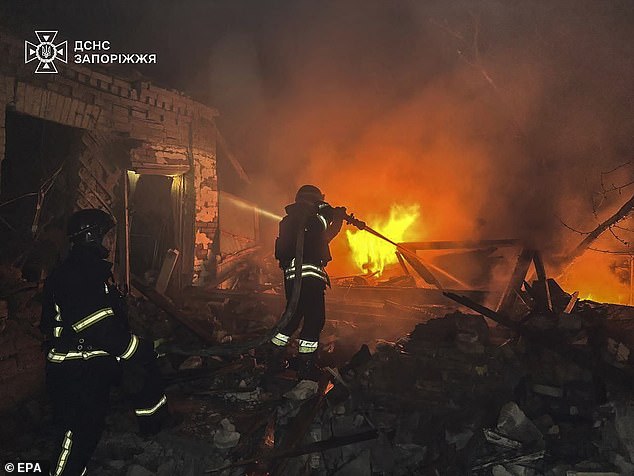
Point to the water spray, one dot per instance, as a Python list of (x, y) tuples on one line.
[(250, 206), (412, 258)]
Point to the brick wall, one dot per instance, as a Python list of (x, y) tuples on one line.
[(175, 133), (205, 185), (99, 178), (163, 129)]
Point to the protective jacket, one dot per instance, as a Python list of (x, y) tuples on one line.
[(320, 228), (84, 313)]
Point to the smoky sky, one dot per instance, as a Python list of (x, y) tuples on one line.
[(497, 117)]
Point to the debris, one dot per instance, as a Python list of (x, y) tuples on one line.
[(193, 362), (314, 447), (303, 390), (571, 304), (548, 390), (514, 424), (227, 436), (136, 470), (500, 440), (199, 327), (163, 280)]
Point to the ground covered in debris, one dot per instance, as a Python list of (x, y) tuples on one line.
[(459, 394)]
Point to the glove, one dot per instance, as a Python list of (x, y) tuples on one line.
[(339, 213)]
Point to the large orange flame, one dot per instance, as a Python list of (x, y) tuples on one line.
[(372, 254), (602, 278)]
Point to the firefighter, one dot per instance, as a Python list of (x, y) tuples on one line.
[(322, 224), (84, 315)]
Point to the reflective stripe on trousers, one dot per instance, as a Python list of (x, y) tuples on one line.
[(280, 339), (67, 444), (152, 410), (307, 346)]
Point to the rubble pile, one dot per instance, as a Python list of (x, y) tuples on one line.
[(542, 386), (459, 397)]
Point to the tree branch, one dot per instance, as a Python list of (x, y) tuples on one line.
[(621, 213)]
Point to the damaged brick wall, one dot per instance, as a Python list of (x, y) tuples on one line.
[(203, 142), (205, 184), (127, 123), (174, 134), (98, 176)]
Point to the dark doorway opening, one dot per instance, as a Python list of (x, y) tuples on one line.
[(37, 191), (152, 225)]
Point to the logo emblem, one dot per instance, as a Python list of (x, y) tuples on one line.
[(46, 52)]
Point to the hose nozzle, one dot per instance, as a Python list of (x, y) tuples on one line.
[(351, 220)]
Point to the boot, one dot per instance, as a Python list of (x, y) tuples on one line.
[(274, 358), (307, 368)]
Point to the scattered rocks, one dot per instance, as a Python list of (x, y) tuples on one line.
[(227, 436)]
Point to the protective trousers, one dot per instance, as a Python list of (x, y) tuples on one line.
[(80, 394), (311, 308)]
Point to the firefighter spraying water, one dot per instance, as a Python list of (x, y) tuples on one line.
[(304, 267), (303, 252)]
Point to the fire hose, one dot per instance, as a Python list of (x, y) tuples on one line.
[(413, 259), (291, 307), (289, 312)]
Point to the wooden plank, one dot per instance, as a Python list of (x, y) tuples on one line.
[(401, 261), (517, 279), (541, 290), (169, 262), (237, 166)]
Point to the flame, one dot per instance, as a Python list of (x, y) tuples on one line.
[(598, 278), (372, 254)]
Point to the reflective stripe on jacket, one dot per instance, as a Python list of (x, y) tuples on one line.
[(308, 270)]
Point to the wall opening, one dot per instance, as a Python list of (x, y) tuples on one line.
[(37, 191), (153, 224)]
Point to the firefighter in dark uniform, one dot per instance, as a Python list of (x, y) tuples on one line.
[(322, 224), (84, 315)]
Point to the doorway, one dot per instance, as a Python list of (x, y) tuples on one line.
[(152, 230)]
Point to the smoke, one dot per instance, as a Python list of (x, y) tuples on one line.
[(496, 117)]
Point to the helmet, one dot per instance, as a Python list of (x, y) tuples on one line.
[(89, 226), (309, 193)]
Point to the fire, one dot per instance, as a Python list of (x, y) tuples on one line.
[(600, 278), (370, 253)]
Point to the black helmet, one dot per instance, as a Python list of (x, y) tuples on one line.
[(89, 226), (309, 193)]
